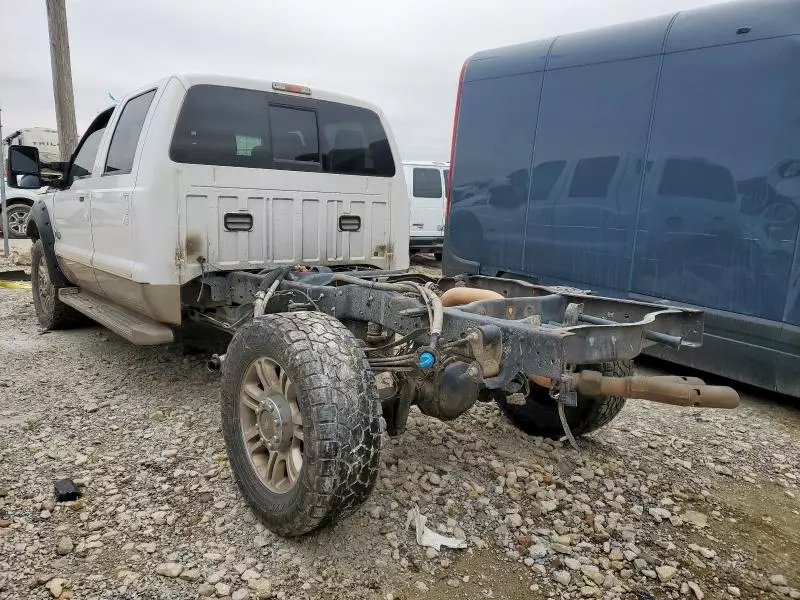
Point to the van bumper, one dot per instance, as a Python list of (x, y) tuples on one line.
[(433, 243)]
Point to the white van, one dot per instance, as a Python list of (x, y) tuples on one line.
[(427, 191)]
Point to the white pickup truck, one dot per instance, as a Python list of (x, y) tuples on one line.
[(279, 214)]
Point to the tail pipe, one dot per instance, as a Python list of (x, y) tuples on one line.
[(680, 391)]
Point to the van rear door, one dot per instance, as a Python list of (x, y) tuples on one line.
[(427, 196)]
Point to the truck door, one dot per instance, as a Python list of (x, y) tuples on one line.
[(72, 211), (113, 193)]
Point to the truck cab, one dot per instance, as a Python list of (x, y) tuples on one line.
[(200, 173)]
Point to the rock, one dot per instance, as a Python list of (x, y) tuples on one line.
[(170, 569), (734, 591), (778, 580), (695, 518), (261, 587), (514, 520), (562, 577), (698, 593), (561, 548), (222, 589), (91, 407), (205, 589), (434, 479), (56, 586), (249, 574), (616, 554), (548, 505), (169, 453), (421, 586), (572, 564), (537, 551), (240, 594), (64, 545), (191, 574), (665, 572), (588, 591), (376, 511), (80, 459)]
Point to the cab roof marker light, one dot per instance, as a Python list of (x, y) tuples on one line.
[(291, 87)]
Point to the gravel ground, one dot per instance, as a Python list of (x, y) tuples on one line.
[(663, 503)]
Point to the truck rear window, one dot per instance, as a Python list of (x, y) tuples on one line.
[(235, 127)]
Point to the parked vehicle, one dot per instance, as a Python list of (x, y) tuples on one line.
[(20, 201), (271, 212), (654, 160), (427, 185)]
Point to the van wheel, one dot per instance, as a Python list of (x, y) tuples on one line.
[(301, 419), (51, 312), (539, 415)]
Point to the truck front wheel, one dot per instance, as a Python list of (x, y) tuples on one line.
[(301, 420), (539, 414), (51, 312)]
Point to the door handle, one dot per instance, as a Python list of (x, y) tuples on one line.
[(81, 198)]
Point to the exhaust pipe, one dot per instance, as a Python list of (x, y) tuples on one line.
[(215, 362), (679, 391)]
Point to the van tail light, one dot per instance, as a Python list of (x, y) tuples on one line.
[(453, 141)]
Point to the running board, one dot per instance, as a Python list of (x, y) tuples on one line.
[(132, 326)]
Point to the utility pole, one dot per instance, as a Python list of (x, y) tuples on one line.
[(62, 77), (3, 187)]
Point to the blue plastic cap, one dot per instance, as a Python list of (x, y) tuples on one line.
[(426, 360)]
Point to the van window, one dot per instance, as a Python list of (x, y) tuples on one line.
[(235, 127), (593, 176), (126, 134), (84, 161), (294, 134), (427, 183)]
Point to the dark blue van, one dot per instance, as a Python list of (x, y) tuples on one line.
[(651, 160)]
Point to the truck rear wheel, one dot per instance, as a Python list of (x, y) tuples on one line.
[(539, 414), (301, 420), (51, 312)]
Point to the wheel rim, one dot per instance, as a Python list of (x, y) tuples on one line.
[(45, 291), (17, 221), (271, 425)]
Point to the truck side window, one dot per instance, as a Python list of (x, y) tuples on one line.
[(84, 160), (126, 134), (294, 134), (427, 183)]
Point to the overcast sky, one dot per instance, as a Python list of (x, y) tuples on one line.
[(402, 55)]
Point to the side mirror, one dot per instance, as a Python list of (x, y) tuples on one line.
[(24, 171)]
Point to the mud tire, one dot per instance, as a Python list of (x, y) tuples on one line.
[(51, 312), (341, 413)]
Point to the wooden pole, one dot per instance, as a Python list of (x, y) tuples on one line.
[(62, 77), (6, 233)]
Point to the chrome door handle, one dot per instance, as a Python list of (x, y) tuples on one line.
[(81, 198)]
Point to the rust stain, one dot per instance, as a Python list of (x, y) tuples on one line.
[(194, 244)]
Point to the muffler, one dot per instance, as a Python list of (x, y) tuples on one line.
[(680, 391)]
